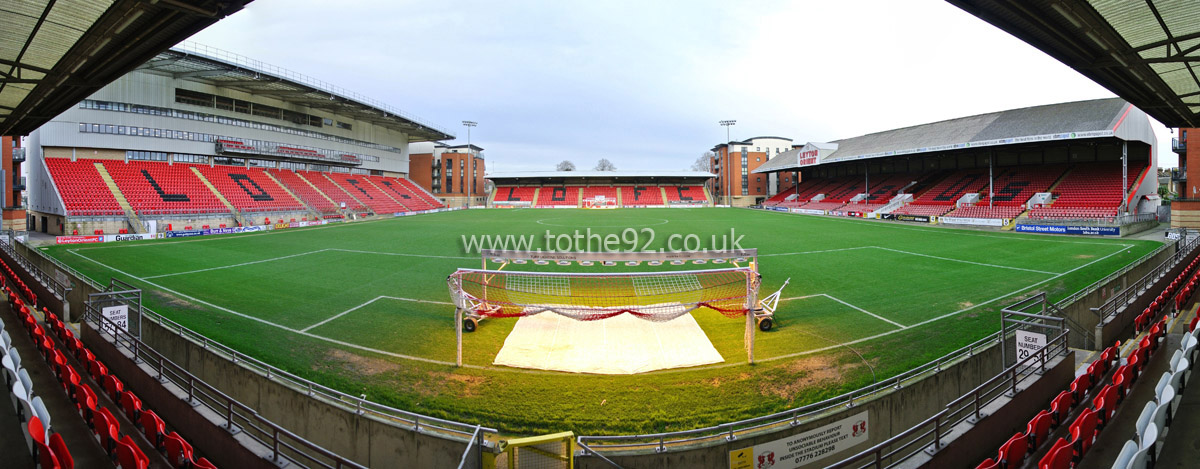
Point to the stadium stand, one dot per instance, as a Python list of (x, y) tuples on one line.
[(329, 188), (983, 211), (402, 194), (249, 189), (163, 189), (1101, 403), (782, 197), (516, 194), (83, 191), (365, 191), (1088, 191), (558, 197), (1015, 186), (823, 205), (421, 193), (641, 196), (592, 192), (688, 194), (313, 197), (47, 446)]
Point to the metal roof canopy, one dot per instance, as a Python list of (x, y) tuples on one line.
[(212, 66), (1097, 118), (1146, 52), (55, 53)]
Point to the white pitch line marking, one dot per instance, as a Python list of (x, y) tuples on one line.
[(726, 365), (937, 318), (966, 262), (269, 323), (876, 316), (235, 265), (380, 297)]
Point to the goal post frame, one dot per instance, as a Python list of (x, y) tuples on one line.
[(741, 259)]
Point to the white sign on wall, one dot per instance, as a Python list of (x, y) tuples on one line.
[(118, 315), (803, 449), (1028, 343)]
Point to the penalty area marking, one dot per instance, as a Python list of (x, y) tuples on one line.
[(876, 316), (510, 370), (380, 297)]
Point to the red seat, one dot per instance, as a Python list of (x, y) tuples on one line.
[(130, 456), (1105, 404), (1083, 432), (1038, 429), (154, 429), (179, 452), (988, 463), (1013, 451), (203, 463), (1061, 406), (132, 406), (1080, 386), (86, 400), (105, 426), (113, 387), (61, 454), (1059, 456)]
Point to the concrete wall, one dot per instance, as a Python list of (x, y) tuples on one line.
[(970, 443), (365, 439), (202, 427), (889, 413), (1080, 311)]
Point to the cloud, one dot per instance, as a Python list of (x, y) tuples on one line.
[(644, 83)]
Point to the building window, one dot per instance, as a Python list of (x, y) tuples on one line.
[(184, 158), (343, 125), (146, 155), (227, 161)]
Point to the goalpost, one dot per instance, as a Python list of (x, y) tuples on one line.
[(652, 296), (600, 201)]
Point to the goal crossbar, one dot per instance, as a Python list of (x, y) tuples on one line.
[(652, 296)]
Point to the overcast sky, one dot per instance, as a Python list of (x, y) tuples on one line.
[(644, 83)]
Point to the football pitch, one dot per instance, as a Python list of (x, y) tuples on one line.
[(364, 307)]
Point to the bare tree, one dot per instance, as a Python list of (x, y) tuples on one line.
[(605, 165), (704, 162), (565, 165)]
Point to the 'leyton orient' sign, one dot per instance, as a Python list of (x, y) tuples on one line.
[(808, 158)]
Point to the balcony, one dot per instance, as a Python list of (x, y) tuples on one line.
[(1179, 146), (18, 155)]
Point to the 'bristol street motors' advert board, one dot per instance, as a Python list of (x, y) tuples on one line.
[(803, 449)]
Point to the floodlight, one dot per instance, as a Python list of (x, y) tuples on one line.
[(678, 262), (586, 263), (700, 261), (541, 262), (564, 262), (633, 263), (654, 262)]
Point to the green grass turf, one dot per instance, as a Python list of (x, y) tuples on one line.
[(945, 286)]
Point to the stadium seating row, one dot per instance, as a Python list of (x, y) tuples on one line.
[(1155, 416), (572, 196), (1086, 191), (157, 188), (46, 446)]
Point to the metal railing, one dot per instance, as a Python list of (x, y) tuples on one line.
[(263, 67), (1078, 295), (58, 288), (285, 446), (659, 442), (416, 422), (1128, 295), (1178, 145), (967, 408)]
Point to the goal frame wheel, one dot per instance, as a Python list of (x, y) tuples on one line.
[(469, 324), (765, 324)]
